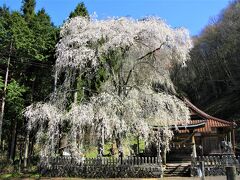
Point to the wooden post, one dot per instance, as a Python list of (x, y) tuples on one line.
[(230, 137), (231, 173), (194, 151), (233, 138)]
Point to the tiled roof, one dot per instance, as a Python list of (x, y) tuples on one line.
[(194, 110), (210, 121)]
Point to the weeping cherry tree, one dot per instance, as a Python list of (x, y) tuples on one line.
[(136, 94)]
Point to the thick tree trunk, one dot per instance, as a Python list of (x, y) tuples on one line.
[(119, 146), (63, 142)]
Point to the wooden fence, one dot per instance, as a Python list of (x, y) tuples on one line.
[(214, 164), (104, 167)]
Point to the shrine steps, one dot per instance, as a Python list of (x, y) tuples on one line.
[(177, 169)]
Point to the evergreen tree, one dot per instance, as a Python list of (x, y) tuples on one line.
[(80, 10), (45, 34), (28, 9)]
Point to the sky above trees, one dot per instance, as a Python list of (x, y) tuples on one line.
[(192, 14)]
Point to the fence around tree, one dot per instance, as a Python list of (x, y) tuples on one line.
[(104, 167), (214, 165)]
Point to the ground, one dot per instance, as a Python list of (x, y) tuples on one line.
[(167, 178)]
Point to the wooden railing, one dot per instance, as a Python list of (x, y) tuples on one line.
[(218, 160), (215, 164), (131, 161), (104, 167)]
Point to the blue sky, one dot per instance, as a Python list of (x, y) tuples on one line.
[(191, 14)]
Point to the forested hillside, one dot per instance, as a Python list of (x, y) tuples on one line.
[(211, 79)]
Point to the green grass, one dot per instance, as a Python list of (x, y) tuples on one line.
[(20, 175), (91, 152), (6, 176), (128, 146)]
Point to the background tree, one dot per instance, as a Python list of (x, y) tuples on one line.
[(80, 10), (15, 106), (28, 9), (28, 41), (14, 38)]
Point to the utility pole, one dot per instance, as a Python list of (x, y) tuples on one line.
[(5, 92)]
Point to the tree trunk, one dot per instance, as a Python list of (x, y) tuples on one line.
[(4, 93), (31, 150), (164, 155), (26, 147), (119, 146), (138, 148), (63, 143), (103, 138), (55, 81), (20, 157), (13, 142)]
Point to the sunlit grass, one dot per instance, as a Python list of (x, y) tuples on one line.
[(129, 146)]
